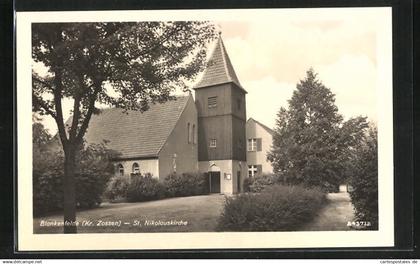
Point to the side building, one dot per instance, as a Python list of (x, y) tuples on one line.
[(159, 141), (259, 141)]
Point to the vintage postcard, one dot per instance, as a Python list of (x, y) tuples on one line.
[(205, 129)]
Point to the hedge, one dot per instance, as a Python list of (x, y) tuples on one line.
[(277, 208), (145, 188), (117, 188), (185, 184), (259, 183)]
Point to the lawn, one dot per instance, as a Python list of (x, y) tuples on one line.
[(184, 214)]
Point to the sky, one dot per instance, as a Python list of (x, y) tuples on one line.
[(270, 60), (271, 55)]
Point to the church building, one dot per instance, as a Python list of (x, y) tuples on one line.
[(207, 134)]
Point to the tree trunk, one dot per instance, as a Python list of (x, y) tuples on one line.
[(69, 189)]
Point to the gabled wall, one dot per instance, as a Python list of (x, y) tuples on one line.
[(255, 130), (177, 143)]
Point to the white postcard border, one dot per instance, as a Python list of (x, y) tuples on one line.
[(217, 240)]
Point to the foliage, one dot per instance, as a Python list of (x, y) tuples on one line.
[(142, 62), (278, 208), (117, 188), (145, 188), (91, 178), (247, 184), (311, 142), (185, 184), (47, 182), (364, 180), (261, 182)]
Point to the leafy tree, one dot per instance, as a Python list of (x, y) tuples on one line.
[(311, 142), (40, 138), (126, 65), (91, 176), (364, 179)]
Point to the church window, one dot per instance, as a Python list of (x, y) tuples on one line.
[(238, 103), (194, 138), (212, 102), (189, 133), (213, 143), (136, 168), (120, 170)]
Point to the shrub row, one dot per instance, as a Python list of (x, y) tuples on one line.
[(277, 208), (146, 188)]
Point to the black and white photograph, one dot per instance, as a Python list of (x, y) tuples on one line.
[(271, 127)]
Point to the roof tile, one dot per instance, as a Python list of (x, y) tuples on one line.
[(219, 68), (136, 134)]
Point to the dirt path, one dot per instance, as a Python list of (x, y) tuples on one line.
[(334, 216)]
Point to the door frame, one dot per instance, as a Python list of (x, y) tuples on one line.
[(213, 174)]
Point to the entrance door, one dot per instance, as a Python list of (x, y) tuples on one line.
[(214, 181)]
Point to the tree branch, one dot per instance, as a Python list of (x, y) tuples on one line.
[(43, 82), (76, 114), (89, 113), (59, 110), (44, 106)]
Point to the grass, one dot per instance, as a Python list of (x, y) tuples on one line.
[(200, 212)]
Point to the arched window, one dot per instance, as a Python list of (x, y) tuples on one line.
[(194, 140), (136, 168), (120, 170), (188, 133)]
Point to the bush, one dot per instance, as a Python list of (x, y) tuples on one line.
[(261, 182), (278, 208), (186, 184), (247, 184), (48, 172), (364, 181), (117, 188), (145, 188), (47, 185)]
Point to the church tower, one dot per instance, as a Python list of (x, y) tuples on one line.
[(221, 107)]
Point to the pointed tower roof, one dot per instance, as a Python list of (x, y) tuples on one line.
[(219, 69)]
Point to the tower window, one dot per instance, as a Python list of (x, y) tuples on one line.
[(238, 104), (212, 102), (213, 143)]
